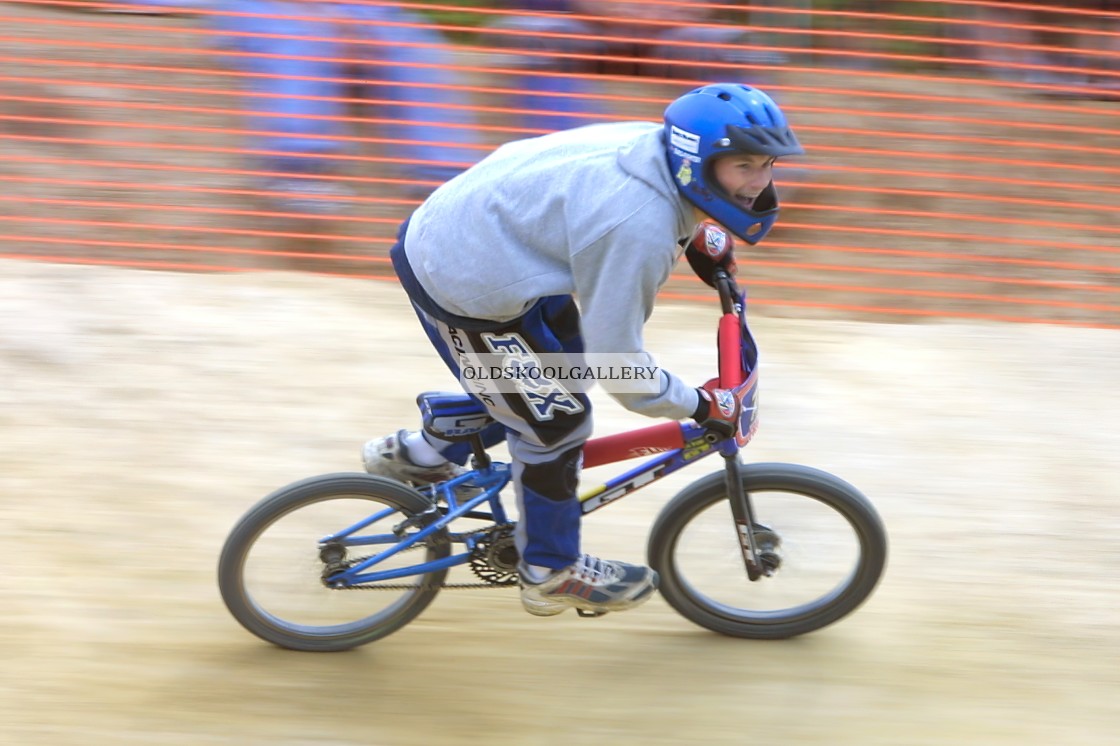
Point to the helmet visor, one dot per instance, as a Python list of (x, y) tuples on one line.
[(771, 141)]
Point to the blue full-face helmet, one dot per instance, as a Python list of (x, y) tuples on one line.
[(724, 119)]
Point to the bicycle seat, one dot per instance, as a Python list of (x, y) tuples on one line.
[(452, 416)]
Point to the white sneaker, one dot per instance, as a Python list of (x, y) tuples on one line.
[(589, 585), (388, 457)]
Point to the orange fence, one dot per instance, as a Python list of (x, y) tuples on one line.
[(963, 157)]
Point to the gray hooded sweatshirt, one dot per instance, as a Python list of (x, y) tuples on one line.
[(591, 212)]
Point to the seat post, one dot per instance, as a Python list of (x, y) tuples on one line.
[(481, 460)]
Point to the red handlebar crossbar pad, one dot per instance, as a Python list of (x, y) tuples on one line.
[(730, 349), (647, 441)]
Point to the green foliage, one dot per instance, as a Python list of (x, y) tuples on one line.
[(448, 13)]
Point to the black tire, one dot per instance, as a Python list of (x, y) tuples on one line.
[(312, 505), (783, 495)]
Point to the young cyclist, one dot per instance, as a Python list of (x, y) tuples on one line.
[(599, 214)]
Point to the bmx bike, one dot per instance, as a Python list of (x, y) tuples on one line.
[(757, 550)]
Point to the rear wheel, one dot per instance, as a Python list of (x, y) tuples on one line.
[(819, 538), (273, 566)]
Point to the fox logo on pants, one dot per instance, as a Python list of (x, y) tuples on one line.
[(544, 396)]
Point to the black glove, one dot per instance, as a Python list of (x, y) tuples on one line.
[(718, 411), (712, 248)]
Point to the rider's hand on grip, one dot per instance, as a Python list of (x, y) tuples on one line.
[(723, 412), (711, 249)]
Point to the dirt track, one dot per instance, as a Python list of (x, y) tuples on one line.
[(144, 412)]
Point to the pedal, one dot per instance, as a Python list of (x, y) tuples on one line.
[(590, 614)]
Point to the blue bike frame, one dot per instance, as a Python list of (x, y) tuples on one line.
[(738, 371)]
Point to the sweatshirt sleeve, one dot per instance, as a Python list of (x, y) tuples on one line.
[(617, 278)]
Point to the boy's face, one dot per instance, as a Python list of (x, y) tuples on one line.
[(744, 176)]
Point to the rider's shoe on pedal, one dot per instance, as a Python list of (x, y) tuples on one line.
[(589, 585), (390, 457)]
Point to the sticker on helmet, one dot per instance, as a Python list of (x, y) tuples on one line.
[(686, 141), (684, 173)]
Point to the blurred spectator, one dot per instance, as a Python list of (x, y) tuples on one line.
[(308, 56), (856, 38), (1097, 37), (785, 27), (305, 58), (554, 54), (1075, 51), (1006, 40)]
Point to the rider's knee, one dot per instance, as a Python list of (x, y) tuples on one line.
[(557, 479)]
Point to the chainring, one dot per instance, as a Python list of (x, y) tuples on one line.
[(494, 557)]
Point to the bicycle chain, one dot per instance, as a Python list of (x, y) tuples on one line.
[(429, 586)]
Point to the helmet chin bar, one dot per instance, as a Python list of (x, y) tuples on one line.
[(758, 227), (752, 230), (759, 219)]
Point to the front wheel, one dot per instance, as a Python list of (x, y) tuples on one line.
[(275, 568), (822, 543)]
